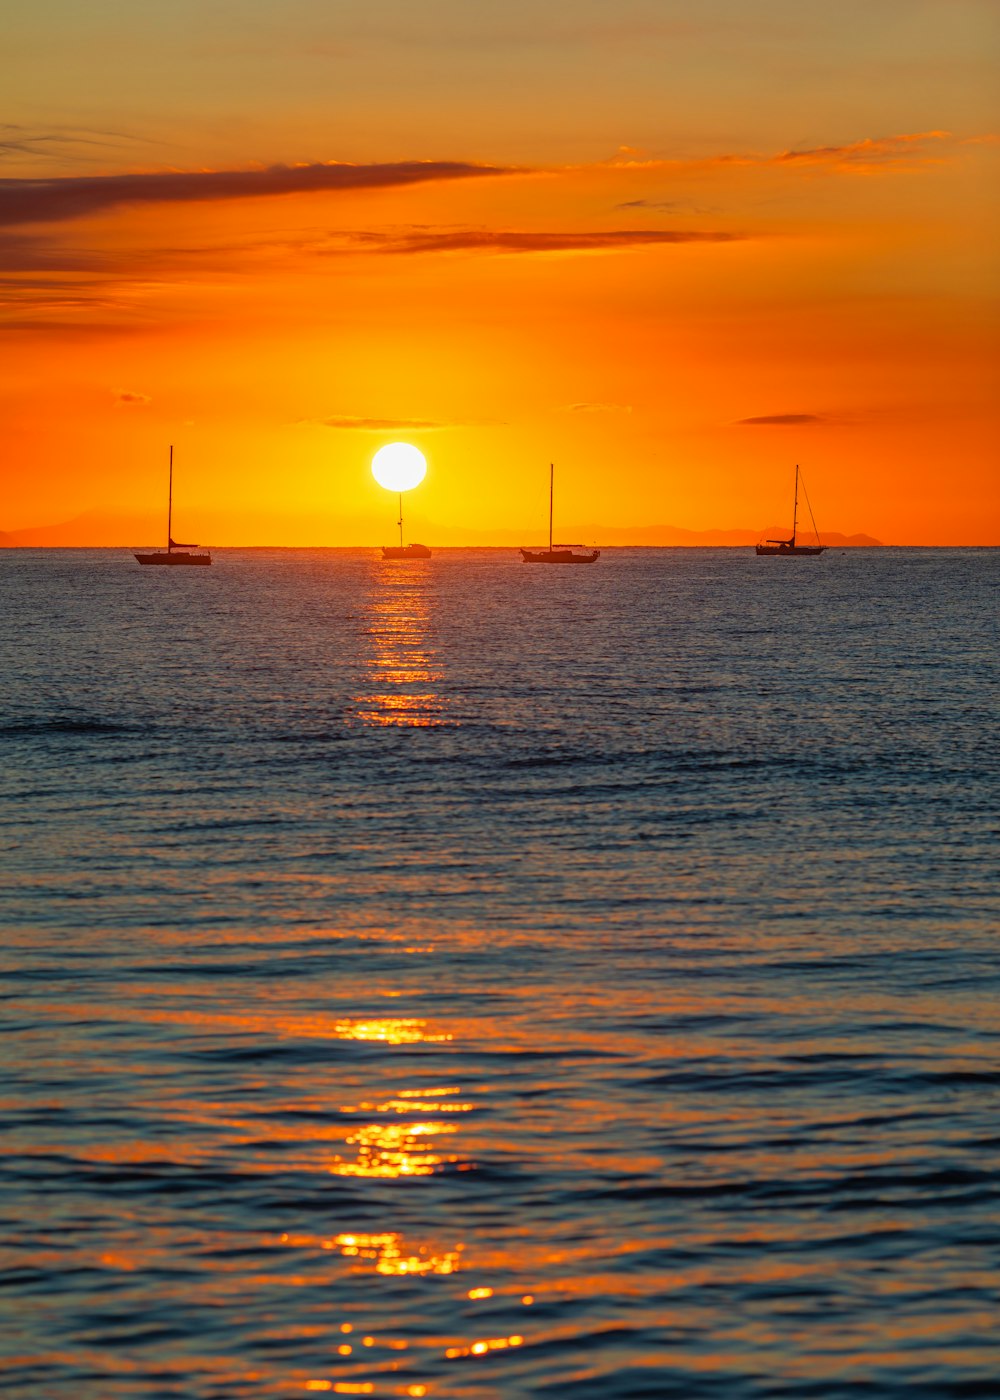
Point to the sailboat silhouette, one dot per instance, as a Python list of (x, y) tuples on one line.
[(559, 553), (789, 546), (183, 555)]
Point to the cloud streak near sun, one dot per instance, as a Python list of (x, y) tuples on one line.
[(782, 420), (380, 425), (531, 240)]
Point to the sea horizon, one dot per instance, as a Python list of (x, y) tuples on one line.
[(526, 540)]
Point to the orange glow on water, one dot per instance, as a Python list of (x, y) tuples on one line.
[(482, 1347), (392, 1150), (393, 1031), (390, 1030), (387, 1111), (403, 671), (388, 1255)]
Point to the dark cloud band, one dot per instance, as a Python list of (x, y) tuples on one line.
[(782, 420), (517, 241), (75, 197)]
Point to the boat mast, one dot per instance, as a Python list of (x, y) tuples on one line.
[(795, 508), (552, 477), (170, 501), (399, 522)]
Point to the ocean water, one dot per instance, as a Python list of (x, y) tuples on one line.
[(468, 979)]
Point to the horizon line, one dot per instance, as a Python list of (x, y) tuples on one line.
[(454, 548)]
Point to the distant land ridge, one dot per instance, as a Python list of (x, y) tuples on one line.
[(111, 532), (675, 535)]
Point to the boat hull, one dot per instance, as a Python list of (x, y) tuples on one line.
[(558, 556), (407, 551), (199, 560), (799, 550)]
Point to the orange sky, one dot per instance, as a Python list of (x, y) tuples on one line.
[(617, 236)]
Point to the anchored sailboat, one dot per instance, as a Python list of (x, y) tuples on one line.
[(183, 554), (559, 553), (789, 546), (401, 551)]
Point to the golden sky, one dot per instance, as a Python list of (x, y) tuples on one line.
[(674, 247)]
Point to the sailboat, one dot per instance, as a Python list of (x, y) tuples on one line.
[(789, 546), (559, 553), (183, 554), (401, 551)]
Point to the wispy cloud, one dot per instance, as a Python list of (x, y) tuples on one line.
[(863, 155), (598, 408), (42, 293), (381, 425), (908, 149), (25, 201), (23, 252), (528, 241), (94, 330), (78, 144), (359, 423), (784, 420), (669, 206), (131, 396)]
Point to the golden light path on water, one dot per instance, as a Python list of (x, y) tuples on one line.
[(403, 671), (389, 1150)]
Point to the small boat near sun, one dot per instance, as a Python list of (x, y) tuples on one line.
[(401, 550), (559, 553), (183, 553), (405, 551), (789, 546)]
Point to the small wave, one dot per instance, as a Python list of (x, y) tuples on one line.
[(83, 725)]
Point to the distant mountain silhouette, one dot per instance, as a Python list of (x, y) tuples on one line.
[(88, 530), (669, 536), (111, 531), (674, 535)]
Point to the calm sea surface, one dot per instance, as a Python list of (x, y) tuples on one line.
[(468, 979)]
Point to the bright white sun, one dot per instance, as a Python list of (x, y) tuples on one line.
[(398, 466)]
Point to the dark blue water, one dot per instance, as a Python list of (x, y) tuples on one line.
[(469, 979)]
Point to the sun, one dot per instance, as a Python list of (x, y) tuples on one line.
[(399, 467)]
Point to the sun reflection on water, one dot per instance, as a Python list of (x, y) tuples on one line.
[(403, 1133), (389, 1255), (403, 671), (396, 1149), (392, 1030), (480, 1348)]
